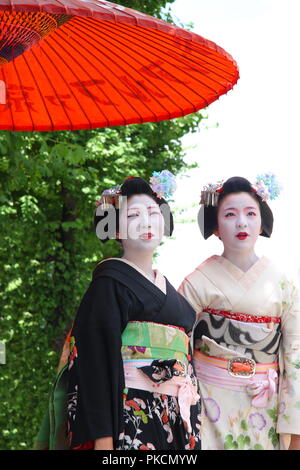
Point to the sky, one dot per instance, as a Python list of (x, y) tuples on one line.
[(253, 129)]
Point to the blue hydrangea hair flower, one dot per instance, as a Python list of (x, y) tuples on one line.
[(267, 186), (163, 183)]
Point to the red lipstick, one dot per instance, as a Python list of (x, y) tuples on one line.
[(242, 235), (147, 236)]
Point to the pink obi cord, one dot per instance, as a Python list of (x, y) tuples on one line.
[(178, 386), (261, 386)]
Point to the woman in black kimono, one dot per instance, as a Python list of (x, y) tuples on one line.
[(131, 383)]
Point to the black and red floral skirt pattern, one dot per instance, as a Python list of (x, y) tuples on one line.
[(152, 421)]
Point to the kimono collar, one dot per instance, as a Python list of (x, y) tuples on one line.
[(160, 280)]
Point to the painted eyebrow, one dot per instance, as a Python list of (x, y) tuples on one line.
[(137, 208), (234, 209)]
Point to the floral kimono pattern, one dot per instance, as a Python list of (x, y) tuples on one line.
[(152, 421)]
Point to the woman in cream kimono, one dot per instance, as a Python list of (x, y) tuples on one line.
[(247, 334)]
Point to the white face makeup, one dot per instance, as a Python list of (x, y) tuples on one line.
[(141, 224), (239, 222)]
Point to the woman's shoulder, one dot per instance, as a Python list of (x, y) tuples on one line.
[(278, 269), (199, 270), (107, 263), (209, 261), (105, 299), (114, 268), (108, 280), (198, 280)]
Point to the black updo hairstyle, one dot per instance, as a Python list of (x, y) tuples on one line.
[(131, 187), (207, 215)]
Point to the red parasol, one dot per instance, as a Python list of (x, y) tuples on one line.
[(78, 64)]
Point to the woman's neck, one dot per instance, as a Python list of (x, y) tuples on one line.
[(144, 261), (243, 261)]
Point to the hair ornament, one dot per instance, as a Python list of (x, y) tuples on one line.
[(109, 197), (210, 194), (267, 187), (163, 184)]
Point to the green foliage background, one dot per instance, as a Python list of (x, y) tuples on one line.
[(49, 182)]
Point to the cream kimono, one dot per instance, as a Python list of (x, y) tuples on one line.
[(231, 417)]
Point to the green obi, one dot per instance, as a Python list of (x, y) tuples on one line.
[(146, 340), (2, 352)]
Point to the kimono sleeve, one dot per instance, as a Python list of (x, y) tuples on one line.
[(289, 386), (96, 376)]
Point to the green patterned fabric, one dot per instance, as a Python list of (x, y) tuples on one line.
[(53, 431), (146, 340)]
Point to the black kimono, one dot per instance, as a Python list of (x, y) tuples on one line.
[(99, 405)]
